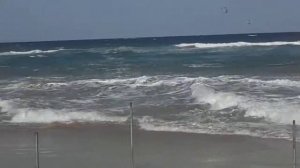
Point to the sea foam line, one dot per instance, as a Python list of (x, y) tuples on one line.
[(29, 52), (151, 81), (235, 44), (152, 124), (61, 116)]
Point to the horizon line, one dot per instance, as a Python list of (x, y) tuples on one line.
[(142, 37)]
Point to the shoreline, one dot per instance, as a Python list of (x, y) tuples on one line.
[(108, 145), (122, 126)]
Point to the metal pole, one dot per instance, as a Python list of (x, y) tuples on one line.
[(294, 142), (131, 135), (37, 152)]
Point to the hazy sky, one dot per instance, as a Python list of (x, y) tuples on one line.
[(40, 20)]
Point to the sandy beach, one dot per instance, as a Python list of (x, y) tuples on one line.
[(94, 146)]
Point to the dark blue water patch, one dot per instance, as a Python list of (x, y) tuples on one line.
[(151, 56), (242, 61), (150, 41)]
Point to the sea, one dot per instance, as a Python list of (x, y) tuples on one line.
[(242, 84)]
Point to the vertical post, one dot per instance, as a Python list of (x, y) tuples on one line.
[(37, 152), (294, 143), (131, 135)]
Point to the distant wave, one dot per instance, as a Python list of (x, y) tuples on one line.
[(235, 44), (29, 52), (204, 65)]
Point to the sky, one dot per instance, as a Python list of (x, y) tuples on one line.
[(44, 20)]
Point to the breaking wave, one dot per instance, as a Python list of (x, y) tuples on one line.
[(256, 81), (204, 90), (29, 52), (235, 44), (217, 100), (30, 115), (143, 81), (276, 110), (51, 116), (152, 81), (214, 105)]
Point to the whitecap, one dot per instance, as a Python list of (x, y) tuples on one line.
[(235, 44), (217, 100), (204, 65), (29, 52)]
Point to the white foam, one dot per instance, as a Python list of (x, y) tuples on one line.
[(151, 124), (37, 56), (204, 65), (5, 105), (276, 82), (154, 81), (235, 44), (278, 110), (217, 100), (61, 116), (219, 92), (92, 82), (142, 81), (245, 80), (56, 84), (31, 115), (29, 52), (283, 112)]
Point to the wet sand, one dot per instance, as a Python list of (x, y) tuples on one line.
[(107, 146)]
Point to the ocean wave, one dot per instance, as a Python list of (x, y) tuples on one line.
[(217, 100), (204, 65), (142, 81), (235, 44), (279, 111), (276, 82), (260, 130), (31, 115), (259, 82), (257, 97), (61, 116), (152, 81), (29, 52), (117, 50)]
